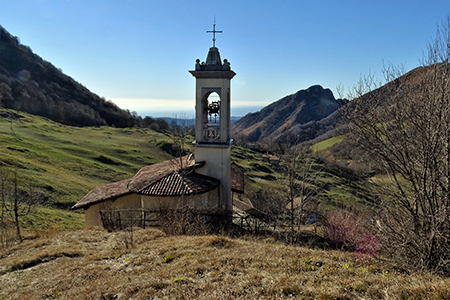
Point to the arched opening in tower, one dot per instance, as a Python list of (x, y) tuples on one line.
[(211, 116), (213, 110)]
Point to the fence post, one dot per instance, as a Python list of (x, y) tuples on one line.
[(144, 214)]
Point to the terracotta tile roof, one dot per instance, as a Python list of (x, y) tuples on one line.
[(162, 179), (244, 204), (175, 185), (310, 204), (152, 173), (107, 192), (247, 206)]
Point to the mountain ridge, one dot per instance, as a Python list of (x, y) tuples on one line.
[(288, 115)]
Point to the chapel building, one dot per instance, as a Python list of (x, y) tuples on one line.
[(203, 181)]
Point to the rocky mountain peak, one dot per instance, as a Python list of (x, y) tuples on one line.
[(287, 114)]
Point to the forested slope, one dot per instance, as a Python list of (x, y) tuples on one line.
[(29, 83)]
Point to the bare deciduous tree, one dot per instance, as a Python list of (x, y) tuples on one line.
[(301, 185), (16, 202), (301, 175), (405, 126)]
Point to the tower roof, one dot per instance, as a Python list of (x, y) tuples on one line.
[(213, 58), (213, 62)]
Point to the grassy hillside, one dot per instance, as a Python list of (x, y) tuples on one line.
[(338, 185), (327, 144), (66, 162), (96, 265)]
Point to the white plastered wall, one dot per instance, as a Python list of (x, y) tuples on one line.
[(217, 166)]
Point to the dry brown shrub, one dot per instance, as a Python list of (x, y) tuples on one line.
[(343, 228)]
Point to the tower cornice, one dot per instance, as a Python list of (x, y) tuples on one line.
[(213, 74)]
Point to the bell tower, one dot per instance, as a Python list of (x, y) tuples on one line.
[(212, 120)]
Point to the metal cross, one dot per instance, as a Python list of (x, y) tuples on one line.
[(214, 33)]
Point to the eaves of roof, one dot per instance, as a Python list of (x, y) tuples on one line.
[(104, 193)]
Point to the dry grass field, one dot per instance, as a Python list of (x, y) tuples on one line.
[(95, 264)]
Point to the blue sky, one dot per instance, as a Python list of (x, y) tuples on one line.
[(137, 53)]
